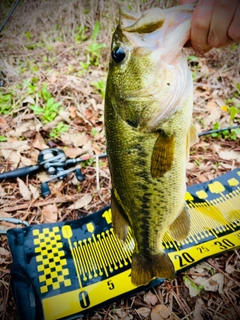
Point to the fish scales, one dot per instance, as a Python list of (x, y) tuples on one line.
[(149, 132)]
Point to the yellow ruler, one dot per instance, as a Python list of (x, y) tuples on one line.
[(79, 265)]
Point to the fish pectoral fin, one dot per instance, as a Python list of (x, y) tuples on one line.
[(144, 269), (180, 228), (192, 138), (193, 135), (162, 156), (120, 225)]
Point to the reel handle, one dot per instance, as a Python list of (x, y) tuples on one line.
[(22, 172)]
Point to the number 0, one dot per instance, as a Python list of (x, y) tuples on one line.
[(84, 299)]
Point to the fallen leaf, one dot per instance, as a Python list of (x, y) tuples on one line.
[(144, 311), (4, 252), (23, 189), (28, 99), (73, 152), (3, 122), (194, 290), (199, 307), (50, 213), (214, 283), (26, 161), (34, 191), (229, 155), (83, 202), (39, 142), (160, 312), (13, 156), (76, 139), (230, 269), (150, 298)]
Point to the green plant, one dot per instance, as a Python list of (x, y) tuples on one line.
[(80, 35), (46, 107), (6, 101), (93, 49), (60, 128), (3, 139), (100, 86), (226, 134)]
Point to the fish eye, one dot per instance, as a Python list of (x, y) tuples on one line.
[(118, 54)]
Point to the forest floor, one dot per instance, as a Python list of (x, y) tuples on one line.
[(53, 67)]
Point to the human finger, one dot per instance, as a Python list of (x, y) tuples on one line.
[(201, 22), (234, 29), (222, 17)]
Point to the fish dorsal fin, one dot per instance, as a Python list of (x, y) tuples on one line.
[(162, 156), (150, 21)]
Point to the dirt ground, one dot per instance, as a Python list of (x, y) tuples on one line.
[(56, 53)]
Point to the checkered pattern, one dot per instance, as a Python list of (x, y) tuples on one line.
[(52, 266)]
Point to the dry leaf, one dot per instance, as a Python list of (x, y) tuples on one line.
[(26, 161), (4, 252), (229, 155), (192, 287), (144, 311), (3, 122), (199, 307), (50, 213), (83, 202), (23, 189), (230, 269), (73, 152), (29, 99), (160, 312), (214, 283), (77, 139), (13, 156), (34, 191), (150, 298), (39, 142)]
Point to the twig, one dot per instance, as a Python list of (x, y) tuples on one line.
[(107, 312), (236, 310), (6, 300)]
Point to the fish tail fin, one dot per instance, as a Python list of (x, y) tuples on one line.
[(180, 228), (144, 268)]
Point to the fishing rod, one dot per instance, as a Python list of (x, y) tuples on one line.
[(218, 130), (9, 14)]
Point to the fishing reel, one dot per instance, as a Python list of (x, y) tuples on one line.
[(52, 160)]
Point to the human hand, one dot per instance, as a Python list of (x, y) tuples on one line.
[(215, 24)]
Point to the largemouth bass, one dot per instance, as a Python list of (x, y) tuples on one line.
[(148, 114)]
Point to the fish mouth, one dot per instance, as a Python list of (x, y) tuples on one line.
[(163, 31)]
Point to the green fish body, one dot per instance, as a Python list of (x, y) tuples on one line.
[(148, 114)]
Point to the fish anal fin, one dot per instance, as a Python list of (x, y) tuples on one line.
[(144, 269), (120, 225), (180, 228), (162, 156)]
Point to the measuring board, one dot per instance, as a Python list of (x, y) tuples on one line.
[(73, 267)]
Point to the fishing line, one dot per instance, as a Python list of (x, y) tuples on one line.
[(9, 14)]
